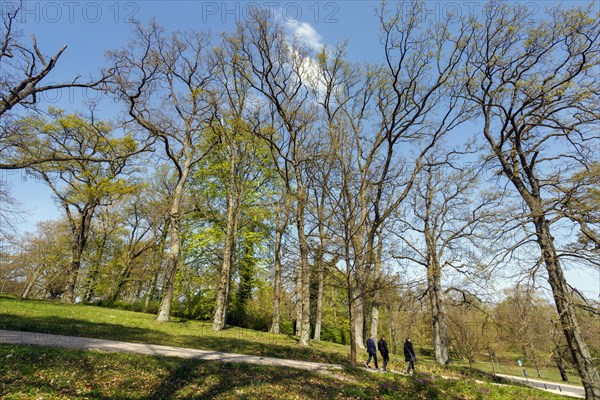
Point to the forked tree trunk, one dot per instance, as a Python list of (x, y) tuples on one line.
[(32, 279)]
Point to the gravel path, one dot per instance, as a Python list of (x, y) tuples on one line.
[(82, 343)]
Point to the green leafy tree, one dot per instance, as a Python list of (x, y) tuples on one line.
[(80, 187)]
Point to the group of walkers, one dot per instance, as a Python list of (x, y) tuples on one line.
[(409, 353)]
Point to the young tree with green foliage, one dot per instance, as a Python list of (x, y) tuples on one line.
[(42, 261), (104, 237)]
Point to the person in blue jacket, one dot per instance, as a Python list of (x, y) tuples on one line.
[(372, 351)]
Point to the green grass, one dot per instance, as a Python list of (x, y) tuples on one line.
[(42, 369), (47, 373), (103, 323)]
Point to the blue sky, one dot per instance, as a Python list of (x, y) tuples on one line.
[(89, 28)]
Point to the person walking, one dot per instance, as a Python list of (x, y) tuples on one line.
[(409, 355), (383, 349), (372, 351)]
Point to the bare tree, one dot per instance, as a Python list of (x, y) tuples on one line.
[(414, 104), (276, 70), (537, 94), (23, 69), (446, 213), (165, 83)]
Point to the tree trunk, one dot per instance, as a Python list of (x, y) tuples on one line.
[(164, 312), (69, 295), (90, 283), (534, 358), (558, 359), (174, 247), (275, 324), (566, 311), (321, 279), (80, 236), (492, 359), (298, 305), (376, 295), (304, 268), (156, 266), (220, 317), (439, 323), (375, 319), (151, 288), (121, 279), (351, 309), (393, 330), (359, 321), (31, 280)]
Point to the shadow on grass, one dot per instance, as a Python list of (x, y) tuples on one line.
[(189, 380), (46, 372), (74, 327), (247, 343), (49, 373)]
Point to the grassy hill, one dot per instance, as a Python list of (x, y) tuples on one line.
[(48, 373)]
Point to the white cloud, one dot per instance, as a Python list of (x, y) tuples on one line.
[(305, 33)]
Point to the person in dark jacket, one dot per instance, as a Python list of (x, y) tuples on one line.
[(383, 349), (372, 351), (409, 355)]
